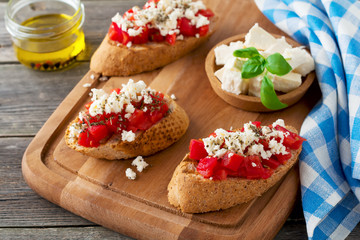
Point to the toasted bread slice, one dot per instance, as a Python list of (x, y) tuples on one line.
[(160, 136), (192, 193), (112, 59)]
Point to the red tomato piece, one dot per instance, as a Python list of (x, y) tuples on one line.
[(205, 12), (142, 37), (282, 158), (220, 174), (232, 161), (257, 124), (265, 144), (186, 28), (84, 139), (155, 36), (197, 149), (98, 132), (125, 38), (117, 90), (171, 39), (206, 166), (271, 163), (87, 106), (156, 116), (115, 33), (112, 123), (203, 30), (292, 140), (254, 168), (139, 120)]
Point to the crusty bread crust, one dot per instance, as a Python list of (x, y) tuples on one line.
[(160, 136), (192, 193), (112, 60)]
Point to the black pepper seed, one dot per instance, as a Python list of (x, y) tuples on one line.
[(45, 65)]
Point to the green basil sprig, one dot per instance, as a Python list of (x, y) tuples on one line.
[(256, 65)]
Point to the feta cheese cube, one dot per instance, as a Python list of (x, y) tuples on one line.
[(259, 38), (225, 52), (286, 83), (300, 60), (140, 163), (130, 174), (255, 85), (279, 46)]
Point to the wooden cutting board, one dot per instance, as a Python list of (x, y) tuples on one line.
[(99, 191)]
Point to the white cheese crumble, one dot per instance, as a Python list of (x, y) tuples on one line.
[(248, 139), (128, 136), (92, 76), (86, 85), (139, 163), (173, 97), (130, 174)]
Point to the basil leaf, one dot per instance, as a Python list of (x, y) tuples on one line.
[(277, 64), (253, 67), (268, 96), (246, 52)]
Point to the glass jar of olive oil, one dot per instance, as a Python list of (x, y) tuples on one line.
[(47, 35)]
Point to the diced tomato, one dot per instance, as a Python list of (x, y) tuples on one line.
[(155, 36), (282, 158), (205, 12), (206, 166), (115, 33), (203, 30), (129, 14), (125, 38), (87, 106), (142, 37), (257, 124), (186, 28), (271, 163), (139, 120), (220, 174), (197, 149), (155, 116), (111, 123), (86, 140), (254, 168), (232, 161), (171, 39), (292, 140), (117, 90), (213, 134), (98, 132), (264, 143)]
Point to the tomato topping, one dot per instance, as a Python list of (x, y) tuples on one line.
[(232, 161), (115, 33), (203, 30), (98, 132), (142, 37), (117, 90), (197, 149), (139, 121), (186, 28), (206, 166), (292, 140), (244, 165), (171, 39), (271, 163), (125, 38), (205, 12)]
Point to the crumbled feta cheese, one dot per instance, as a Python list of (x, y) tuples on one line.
[(87, 85), (279, 122), (92, 76), (130, 108), (128, 136), (129, 44), (237, 142), (130, 174), (173, 97), (139, 163), (197, 35)]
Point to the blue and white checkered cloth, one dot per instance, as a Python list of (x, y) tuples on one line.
[(330, 160)]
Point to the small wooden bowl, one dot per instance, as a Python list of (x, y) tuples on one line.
[(251, 103)]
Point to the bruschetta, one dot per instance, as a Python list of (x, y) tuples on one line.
[(232, 167), (148, 38), (128, 122)]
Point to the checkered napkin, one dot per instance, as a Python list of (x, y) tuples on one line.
[(330, 160)]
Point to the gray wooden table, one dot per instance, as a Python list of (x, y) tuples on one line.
[(27, 99)]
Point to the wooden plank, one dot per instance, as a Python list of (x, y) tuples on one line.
[(20, 206), (27, 97), (97, 22), (69, 233)]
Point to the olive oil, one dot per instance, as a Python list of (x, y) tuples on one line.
[(60, 41)]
